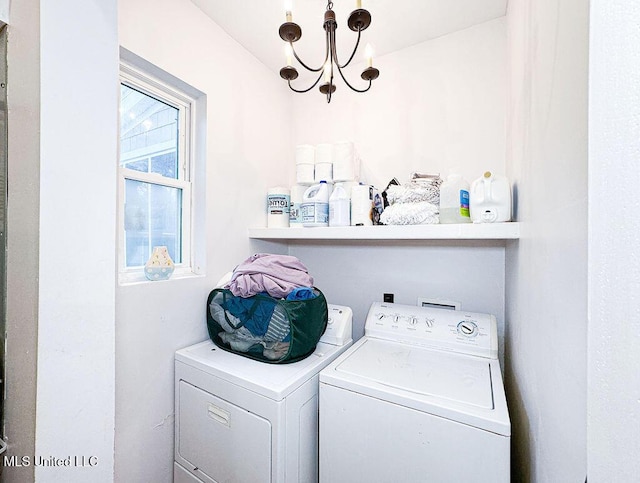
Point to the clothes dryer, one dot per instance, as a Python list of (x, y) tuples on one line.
[(418, 398), (243, 421)]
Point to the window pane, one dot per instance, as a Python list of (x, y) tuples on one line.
[(152, 217), (164, 164), (138, 165), (148, 127)]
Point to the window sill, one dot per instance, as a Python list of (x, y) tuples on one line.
[(126, 279)]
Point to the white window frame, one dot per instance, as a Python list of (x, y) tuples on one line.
[(147, 84)]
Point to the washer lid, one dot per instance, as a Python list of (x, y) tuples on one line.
[(459, 387), (275, 381), (421, 371)]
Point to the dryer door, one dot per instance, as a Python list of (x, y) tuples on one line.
[(224, 441)]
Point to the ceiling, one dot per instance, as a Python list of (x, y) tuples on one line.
[(396, 24)]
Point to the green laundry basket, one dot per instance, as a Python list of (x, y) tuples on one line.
[(264, 328)]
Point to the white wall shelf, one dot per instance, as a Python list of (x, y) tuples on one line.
[(465, 231)]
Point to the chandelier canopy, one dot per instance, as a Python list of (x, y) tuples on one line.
[(291, 32)]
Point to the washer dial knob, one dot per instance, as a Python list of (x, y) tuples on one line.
[(467, 328)]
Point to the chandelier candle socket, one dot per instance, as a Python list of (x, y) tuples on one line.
[(290, 32)]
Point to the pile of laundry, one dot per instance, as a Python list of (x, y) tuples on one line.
[(414, 203), (248, 324)]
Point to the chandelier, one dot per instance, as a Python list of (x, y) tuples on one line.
[(291, 32)]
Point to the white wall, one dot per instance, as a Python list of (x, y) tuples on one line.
[(248, 138), (78, 146), (437, 105), (358, 273), (546, 299), (614, 235)]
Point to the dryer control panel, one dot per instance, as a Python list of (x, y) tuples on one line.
[(449, 330), (339, 325)]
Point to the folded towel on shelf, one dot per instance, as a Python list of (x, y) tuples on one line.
[(420, 213), (413, 192)]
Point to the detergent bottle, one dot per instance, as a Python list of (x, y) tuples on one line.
[(315, 205), (339, 207), (490, 199), (454, 200)]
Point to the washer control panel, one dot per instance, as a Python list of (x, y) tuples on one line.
[(450, 330)]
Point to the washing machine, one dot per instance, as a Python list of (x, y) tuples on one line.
[(244, 421), (419, 398)]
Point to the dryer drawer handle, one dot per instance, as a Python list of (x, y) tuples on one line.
[(219, 414)]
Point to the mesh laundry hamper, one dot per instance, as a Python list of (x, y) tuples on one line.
[(265, 328)]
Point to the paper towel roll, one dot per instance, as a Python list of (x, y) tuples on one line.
[(278, 200), (305, 154), (343, 151), (305, 164), (323, 172), (324, 153), (305, 174), (345, 162), (348, 185), (361, 206)]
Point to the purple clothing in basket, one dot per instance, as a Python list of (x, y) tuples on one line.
[(277, 275)]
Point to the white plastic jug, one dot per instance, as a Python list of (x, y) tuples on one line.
[(490, 199), (295, 212), (315, 205), (339, 207), (454, 200)]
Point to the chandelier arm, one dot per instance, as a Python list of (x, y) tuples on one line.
[(349, 85), (335, 59), (306, 90), (326, 57), (352, 54)]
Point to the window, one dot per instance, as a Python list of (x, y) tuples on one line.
[(155, 168)]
